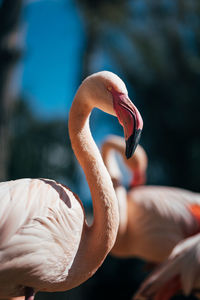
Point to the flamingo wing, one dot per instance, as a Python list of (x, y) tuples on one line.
[(40, 230)]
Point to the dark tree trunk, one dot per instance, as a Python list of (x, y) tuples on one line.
[(9, 55)]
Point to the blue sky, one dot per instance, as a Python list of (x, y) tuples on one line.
[(54, 37)]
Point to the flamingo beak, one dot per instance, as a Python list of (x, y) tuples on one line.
[(132, 142), (131, 120)]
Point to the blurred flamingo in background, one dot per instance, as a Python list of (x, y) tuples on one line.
[(153, 219), (181, 271), (45, 242), (137, 164)]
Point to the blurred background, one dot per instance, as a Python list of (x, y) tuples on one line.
[(48, 46)]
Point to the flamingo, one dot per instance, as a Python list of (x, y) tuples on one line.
[(153, 219), (45, 241), (179, 272)]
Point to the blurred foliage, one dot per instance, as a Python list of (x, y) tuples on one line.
[(98, 16), (40, 148)]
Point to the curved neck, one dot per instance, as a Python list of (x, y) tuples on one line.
[(97, 240), (110, 161)]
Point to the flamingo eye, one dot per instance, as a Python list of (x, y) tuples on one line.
[(109, 88)]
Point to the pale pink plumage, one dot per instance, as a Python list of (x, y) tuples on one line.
[(34, 224), (45, 242)]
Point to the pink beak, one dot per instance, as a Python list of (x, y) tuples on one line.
[(131, 120)]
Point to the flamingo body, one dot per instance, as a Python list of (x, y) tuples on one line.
[(38, 217)]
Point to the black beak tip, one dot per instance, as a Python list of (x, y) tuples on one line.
[(132, 142)]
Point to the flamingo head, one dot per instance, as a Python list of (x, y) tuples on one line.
[(130, 119), (106, 91)]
